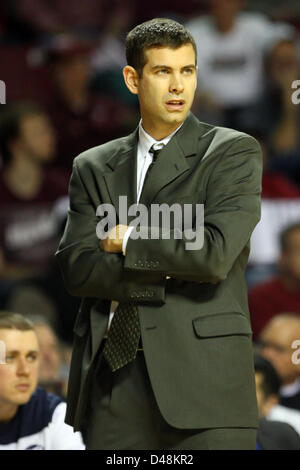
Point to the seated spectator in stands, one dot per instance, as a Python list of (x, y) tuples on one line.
[(276, 114), (289, 9), (275, 185), (30, 418), (267, 391), (82, 118), (31, 196), (47, 18), (281, 293), (53, 369), (231, 45), (275, 435), (277, 344)]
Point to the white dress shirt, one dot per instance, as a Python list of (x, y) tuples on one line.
[(286, 415), (144, 160)]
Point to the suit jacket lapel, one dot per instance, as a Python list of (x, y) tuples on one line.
[(171, 163), (122, 181)]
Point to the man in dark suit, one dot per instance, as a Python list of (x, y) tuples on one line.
[(174, 367)]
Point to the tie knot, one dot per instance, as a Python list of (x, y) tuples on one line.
[(154, 152)]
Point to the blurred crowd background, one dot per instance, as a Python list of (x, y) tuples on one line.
[(65, 93)]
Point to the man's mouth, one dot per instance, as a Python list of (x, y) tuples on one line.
[(176, 105), (23, 387)]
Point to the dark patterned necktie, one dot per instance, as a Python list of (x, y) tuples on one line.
[(124, 333), (123, 336)]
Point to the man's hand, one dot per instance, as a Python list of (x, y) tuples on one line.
[(114, 239)]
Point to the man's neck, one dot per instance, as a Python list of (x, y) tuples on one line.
[(290, 387), (224, 25), (7, 412), (159, 133), (23, 177)]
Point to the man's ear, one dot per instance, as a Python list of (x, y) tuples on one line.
[(131, 79)]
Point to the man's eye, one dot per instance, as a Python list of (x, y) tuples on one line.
[(162, 71), (188, 71), (32, 357), (9, 358)]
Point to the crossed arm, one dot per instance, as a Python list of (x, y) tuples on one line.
[(232, 209), (91, 268)]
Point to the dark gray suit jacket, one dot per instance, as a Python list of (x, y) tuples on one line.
[(195, 327)]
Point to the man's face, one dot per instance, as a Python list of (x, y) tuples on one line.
[(276, 341), (290, 258), (72, 73), (167, 87), (49, 354), (37, 138), (19, 375), (284, 63), (264, 404), (226, 8)]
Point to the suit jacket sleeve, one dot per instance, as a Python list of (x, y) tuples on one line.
[(89, 271), (231, 212)]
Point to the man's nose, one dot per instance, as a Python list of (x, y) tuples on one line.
[(176, 84), (23, 367)]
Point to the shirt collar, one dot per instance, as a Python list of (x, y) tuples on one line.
[(146, 141), (290, 389)]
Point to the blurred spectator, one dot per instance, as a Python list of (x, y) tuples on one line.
[(289, 9), (54, 357), (276, 343), (281, 293), (82, 118), (108, 59), (176, 10), (275, 435), (30, 418), (33, 203), (230, 47), (29, 194), (267, 392), (275, 185), (276, 114), (87, 18)]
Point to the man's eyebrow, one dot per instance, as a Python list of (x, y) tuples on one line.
[(191, 66), (16, 351), (168, 67), (160, 67)]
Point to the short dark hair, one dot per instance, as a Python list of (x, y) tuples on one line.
[(158, 32), (284, 235), (270, 380), (15, 321), (10, 123)]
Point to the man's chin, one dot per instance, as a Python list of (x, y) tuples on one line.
[(176, 118), (20, 398)]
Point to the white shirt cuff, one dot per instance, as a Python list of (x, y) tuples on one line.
[(125, 239)]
